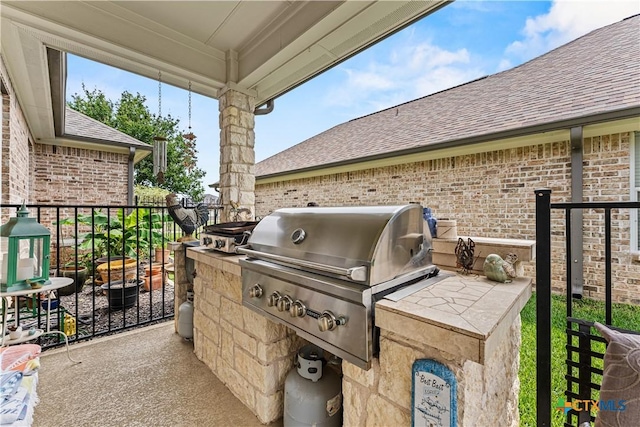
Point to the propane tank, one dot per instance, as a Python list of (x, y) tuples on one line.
[(312, 396), (185, 317)]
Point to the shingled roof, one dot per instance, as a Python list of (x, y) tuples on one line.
[(593, 76), (80, 126)]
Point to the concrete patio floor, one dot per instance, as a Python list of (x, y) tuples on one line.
[(146, 377)]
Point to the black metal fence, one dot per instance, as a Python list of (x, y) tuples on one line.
[(585, 350), (120, 264)]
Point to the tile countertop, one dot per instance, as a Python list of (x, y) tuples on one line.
[(220, 260), (464, 315)]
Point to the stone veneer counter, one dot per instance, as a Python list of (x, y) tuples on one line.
[(465, 322), (250, 354), (468, 323)]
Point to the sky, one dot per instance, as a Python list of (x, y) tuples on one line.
[(458, 43)]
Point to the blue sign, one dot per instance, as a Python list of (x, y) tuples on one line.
[(433, 395)]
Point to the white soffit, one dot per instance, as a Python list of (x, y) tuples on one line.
[(342, 34), (26, 61), (279, 44)]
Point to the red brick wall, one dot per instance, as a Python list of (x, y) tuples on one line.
[(491, 194)]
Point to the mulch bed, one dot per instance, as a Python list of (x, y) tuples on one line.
[(90, 308)]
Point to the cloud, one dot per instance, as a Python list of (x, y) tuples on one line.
[(566, 21), (403, 73)]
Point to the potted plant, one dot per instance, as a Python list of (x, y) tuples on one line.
[(153, 281), (122, 295), (161, 254), (117, 270), (120, 235), (76, 271)]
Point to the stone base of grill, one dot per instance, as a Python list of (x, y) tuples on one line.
[(478, 341)]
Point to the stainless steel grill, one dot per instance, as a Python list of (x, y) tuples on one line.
[(320, 270)]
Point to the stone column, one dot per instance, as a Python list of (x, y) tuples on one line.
[(237, 155)]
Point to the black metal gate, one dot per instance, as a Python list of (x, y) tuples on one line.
[(584, 348), (85, 239)]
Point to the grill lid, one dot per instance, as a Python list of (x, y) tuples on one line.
[(369, 244), (230, 228)]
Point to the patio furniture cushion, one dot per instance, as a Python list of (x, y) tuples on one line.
[(15, 358), (9, 383), (621, 379)]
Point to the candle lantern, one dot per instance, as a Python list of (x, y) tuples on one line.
[(25, 249)]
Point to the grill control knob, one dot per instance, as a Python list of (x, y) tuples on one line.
[(255, 291), (298, 309), (328, 321), (207, 241), (218, 243), (284, 303), (273, 299)]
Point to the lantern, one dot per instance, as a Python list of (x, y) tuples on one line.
[(25, 246)]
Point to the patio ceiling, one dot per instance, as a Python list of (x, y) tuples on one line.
[(265, 47)]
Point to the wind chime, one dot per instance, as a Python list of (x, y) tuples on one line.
[(159, 142), (189, 139)]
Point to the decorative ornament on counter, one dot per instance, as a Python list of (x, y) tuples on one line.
[(464, 254), (498, 269)]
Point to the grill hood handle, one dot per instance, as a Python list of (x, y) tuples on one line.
[(357, 274)]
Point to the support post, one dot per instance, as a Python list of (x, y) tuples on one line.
[(237, 155), (543, 307)]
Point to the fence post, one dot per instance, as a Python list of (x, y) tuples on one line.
[(543, 307)]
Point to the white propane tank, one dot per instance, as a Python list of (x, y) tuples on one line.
[(312, 396), (185, 317)]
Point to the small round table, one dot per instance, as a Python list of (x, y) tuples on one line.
[(55, 283)]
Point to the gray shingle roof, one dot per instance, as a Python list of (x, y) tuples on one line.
[(594, 74), (84, 127)]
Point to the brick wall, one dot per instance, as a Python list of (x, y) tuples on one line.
[(74, 176), (15, 145), (607, 178), (491, 194)]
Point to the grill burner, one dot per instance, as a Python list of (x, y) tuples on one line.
[(319, 271), (227, 236)]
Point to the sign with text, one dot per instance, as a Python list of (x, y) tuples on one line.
[(433, 395)]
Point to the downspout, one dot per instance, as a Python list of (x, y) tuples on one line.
[(577, 186), (266, 110), (130, 166)]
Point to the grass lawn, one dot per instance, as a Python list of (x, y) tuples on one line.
[(624, 316)]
